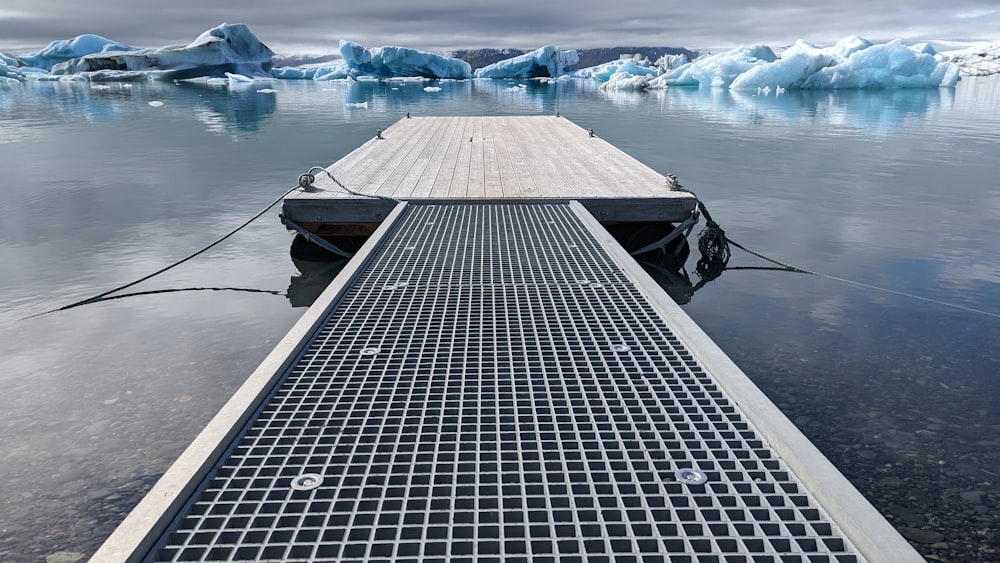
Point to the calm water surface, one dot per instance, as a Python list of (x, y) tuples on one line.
[(893, 189)]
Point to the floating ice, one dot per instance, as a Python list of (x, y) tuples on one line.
[(889, 65), (9, 73), (718, 70), (226, 48), (981, 59), (293, 73), (390, 61), (793, 68), (547, 61), (625, 81), (61, 51), (854, 62), (604, 72), (432, 89), (155, 104)]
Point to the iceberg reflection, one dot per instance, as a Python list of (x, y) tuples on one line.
[(875, 111)]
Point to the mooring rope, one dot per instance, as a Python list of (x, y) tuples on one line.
[(311, 178), (103, 296), (305, 181), (714, 247)]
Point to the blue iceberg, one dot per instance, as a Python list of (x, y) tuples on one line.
[(853, 63), (718, 70), (890, 65), (630, 66), (232, 49), (545, 62), (61, 51), (395, 62), (9, 71)]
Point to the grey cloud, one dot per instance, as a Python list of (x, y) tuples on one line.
[(447, 24)]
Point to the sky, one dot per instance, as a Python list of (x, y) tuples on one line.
[(317, 26)]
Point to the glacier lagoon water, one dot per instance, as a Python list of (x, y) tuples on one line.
[(895, 189)]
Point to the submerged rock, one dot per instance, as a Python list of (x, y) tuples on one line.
[(64, 557), (920, 535)]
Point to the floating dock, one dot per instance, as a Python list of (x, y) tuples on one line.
[(475, 159), (500, 381)]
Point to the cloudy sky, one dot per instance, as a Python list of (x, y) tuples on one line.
[(316, 26)]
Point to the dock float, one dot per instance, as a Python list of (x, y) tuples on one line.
[(500, 381)]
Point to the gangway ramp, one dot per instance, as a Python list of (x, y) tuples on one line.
[(501, 382)]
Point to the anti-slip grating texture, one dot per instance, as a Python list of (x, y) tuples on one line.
[(493, 387)]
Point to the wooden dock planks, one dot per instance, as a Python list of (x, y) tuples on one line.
[(490, 158)]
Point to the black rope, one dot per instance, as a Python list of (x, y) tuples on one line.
[(714, 246), (101, 296), (178, 290)]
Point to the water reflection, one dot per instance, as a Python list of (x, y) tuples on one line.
[(98, 187), (877, 112), (311, 280), (236, 108), (223, 108)]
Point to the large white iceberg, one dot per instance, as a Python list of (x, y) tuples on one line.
[(853, 63), (718, 70), (228, 48), (61, 51), (981, 59), (391, 62), (889, 65), (545, 62), (793, 68)]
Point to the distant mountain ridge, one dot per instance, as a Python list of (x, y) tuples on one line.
[(479, 58)]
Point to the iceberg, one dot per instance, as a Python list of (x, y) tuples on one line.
[(544, 62), (9, 71), (392, 62), (981, 59), (853, 62), (669, 62), (61, 51), (796, 64), (888, 65), (227, 48), (605, 72), (718, 70), (626, 81)]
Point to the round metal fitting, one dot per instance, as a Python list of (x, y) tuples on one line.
[(369, 351), (307, 481), (691, 476), (620, 347)]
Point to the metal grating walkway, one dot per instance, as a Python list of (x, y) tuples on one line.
[(493, 386)]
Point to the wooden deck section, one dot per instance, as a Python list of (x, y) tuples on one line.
[(534, 158)]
